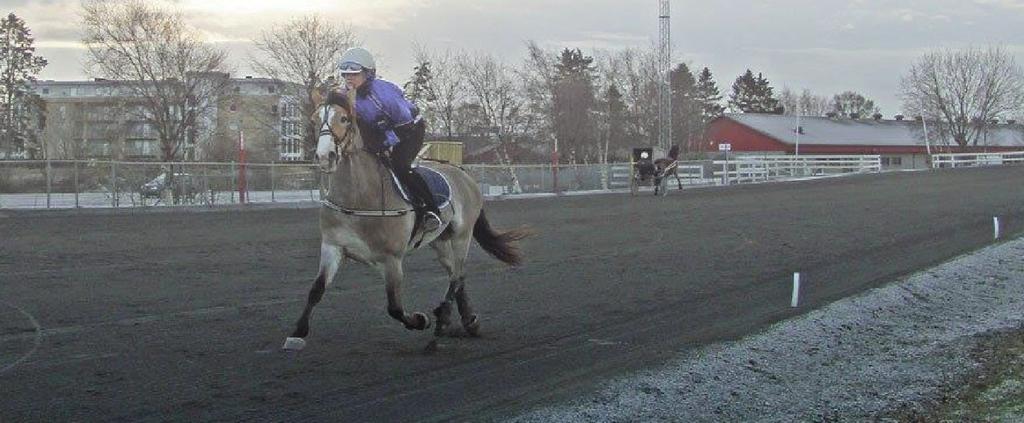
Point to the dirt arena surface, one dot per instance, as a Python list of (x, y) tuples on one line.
[(180, 316)]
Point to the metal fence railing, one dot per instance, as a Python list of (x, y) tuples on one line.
[(93, 183), (976, 159), (96, 183)]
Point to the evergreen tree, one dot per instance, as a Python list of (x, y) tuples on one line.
[(687, 120), (766, 101), (752, 94), (744, 93), (573, 103), (417, 90), (708, 96), (21, 107), (616, 119)]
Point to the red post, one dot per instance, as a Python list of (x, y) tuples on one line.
[(241, 167)]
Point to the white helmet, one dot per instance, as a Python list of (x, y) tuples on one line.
[(355, 59)]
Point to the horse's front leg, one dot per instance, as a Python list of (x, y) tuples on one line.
[(679, 182), (330, 260), (393, 277)]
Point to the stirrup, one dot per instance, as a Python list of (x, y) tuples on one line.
[(431, 221)]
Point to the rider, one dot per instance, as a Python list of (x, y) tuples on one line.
[(396, 121)]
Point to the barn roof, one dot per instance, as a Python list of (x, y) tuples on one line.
[(828, 131)]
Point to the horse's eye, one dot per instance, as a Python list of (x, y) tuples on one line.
[(343, 119)]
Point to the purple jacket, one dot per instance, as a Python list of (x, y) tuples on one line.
[(383, 106)]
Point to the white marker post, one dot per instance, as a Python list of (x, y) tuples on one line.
[(796, 290), (995, 223)]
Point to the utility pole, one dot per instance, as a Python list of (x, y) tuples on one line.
[(664, 67)]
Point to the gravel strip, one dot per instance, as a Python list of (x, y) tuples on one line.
[(896, 347)]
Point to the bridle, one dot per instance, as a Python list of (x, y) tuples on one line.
[(341, 146), (341, 143)]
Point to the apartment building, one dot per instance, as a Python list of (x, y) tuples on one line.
[(102, 119)]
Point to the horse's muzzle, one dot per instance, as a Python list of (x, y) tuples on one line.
[(328, 163)]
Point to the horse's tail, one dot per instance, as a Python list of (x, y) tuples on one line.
[(500, 245), (674, 152)]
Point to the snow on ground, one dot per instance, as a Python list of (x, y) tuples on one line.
[(856, 359)]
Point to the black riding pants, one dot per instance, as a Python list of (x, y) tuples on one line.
[(402, 156)]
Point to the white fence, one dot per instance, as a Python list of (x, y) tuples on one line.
[(751, 169), (690, 173), (976, 159)]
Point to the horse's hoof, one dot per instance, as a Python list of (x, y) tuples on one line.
[(422, 321), (441, 328), (443, 315), (472, 326), (294, 344)]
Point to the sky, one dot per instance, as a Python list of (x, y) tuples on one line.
[(826, 46)]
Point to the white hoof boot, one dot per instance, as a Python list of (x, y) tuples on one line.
[(294, 344)]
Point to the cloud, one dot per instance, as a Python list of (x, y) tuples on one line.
[(821, 45)]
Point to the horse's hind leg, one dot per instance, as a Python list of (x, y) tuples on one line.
[(330, 259), (679, 182), (443, 312), (393, 276), (457, 286), (452, 255), (470, 321)]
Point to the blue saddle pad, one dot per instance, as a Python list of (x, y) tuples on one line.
[(438, 185)]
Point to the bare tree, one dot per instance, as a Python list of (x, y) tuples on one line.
[(538, 75), (444, 89), (964, 90), (493, 86), (305, 52), (804, 104), (176, 76), (20, 108), (850, 104), (635, 73)]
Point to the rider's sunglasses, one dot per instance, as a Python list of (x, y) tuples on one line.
[(350, 67)]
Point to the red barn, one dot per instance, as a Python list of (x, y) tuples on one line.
[(901, 143)]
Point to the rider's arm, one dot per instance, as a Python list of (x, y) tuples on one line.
[(397, 109)]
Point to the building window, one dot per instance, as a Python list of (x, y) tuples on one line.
[(46, 90), (238, 90), (233, 107), (270, 89), (273, 109), (897, 161)]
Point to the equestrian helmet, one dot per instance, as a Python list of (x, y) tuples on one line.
[(355, 59)]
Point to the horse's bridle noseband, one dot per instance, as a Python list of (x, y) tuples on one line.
[(340, 143)]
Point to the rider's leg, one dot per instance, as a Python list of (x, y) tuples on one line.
[(402, 157)]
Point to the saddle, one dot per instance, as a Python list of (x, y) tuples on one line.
[(438, 184)]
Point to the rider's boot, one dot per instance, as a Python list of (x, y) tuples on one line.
[(431, 221)]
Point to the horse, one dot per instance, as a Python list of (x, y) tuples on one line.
[(365, 219), (665, 167)]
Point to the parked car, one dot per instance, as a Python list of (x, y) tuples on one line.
[(183, 185)]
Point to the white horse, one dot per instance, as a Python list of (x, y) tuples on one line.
[(366, 219)]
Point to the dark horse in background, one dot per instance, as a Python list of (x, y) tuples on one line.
[(665, 167), (655, 172)]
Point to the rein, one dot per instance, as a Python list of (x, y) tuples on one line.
[(326, 129)]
